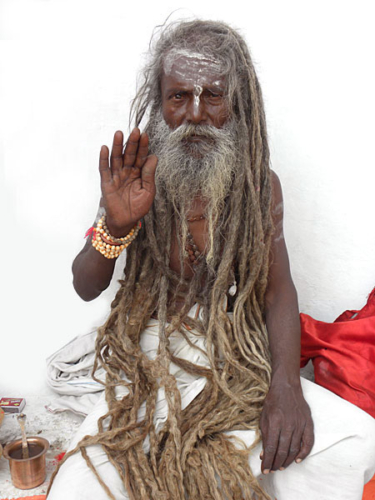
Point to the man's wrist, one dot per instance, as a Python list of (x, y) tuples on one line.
[(108, 245), (119, 231), (282, 377)]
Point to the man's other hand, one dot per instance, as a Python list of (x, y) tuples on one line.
[(287, 428)]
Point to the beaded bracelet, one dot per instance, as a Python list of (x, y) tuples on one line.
[(108, 245)]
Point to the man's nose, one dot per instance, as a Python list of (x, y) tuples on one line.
[(196, 112)]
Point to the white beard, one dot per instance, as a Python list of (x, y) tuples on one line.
[(188, 169)]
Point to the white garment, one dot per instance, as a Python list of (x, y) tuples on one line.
[(69, 374), (341, 462)]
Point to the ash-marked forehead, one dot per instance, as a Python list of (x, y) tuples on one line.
[(190, 60)]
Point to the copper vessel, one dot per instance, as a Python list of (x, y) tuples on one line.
[(30, 472)]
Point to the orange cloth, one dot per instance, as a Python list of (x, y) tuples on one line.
[(343, 355), (369, 491), (36, 497)]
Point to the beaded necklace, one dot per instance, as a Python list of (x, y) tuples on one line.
[(191, 248), (195, 255)]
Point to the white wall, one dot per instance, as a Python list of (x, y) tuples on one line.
[(67, 74)]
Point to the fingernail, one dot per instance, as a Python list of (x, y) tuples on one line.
[(282, 468), (266, 471), (273, 471), (299, 460)]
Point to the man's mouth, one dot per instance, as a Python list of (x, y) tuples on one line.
[(196, 138)]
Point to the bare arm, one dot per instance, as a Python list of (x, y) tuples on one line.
[(286, 423), (128, 190)]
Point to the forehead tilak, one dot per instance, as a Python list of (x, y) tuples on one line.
[(192, 67)]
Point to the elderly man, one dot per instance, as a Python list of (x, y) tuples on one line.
[(202, 346)]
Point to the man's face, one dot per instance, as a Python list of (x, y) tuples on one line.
[(193, 91), (192, 135)]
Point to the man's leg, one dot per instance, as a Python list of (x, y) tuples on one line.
[(342, 459), (340, 463), (75, 480)]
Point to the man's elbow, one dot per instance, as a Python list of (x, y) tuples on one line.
[(82, 282), (85, 293), (285, 293)]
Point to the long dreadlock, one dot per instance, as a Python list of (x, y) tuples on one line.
[(191, 457)]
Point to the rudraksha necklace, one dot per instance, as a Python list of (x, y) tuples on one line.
[(191, 248)]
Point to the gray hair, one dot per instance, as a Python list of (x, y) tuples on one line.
[(215, 40)]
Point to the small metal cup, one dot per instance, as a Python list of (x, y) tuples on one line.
[(30, 472)]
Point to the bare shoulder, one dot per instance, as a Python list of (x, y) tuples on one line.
[(277, 194)]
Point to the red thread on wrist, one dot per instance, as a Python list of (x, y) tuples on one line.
[(91, 231)]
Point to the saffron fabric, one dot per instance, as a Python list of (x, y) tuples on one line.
[(369, 490), (343, 354), (35, 497)]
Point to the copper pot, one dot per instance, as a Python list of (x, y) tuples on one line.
[(30, 472)]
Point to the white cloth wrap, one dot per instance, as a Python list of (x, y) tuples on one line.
[(69, 374), (341, 462)]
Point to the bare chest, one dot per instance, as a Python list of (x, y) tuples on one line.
[(196, 244)]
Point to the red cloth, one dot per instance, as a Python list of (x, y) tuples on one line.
[(343, 354), (369, 490), (37, 497)]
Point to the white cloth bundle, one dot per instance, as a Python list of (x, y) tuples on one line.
[(69, 373), (69, 370)]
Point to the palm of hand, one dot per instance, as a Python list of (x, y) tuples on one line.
[(128, 182), (126, 200)]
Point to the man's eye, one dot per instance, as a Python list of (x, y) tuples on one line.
[(214, 96), (178, 96)]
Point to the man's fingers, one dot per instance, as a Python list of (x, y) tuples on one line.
[(142, 152), (307, 442), (270, 444), (282, 450), (105, 173), (116, 153), (148, 173), (131, 148), (295, 447)]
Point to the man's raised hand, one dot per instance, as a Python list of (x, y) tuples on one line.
[(127, 181)]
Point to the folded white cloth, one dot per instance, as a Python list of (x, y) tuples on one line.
[(69, 373), (80, 405), (69, 370)]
